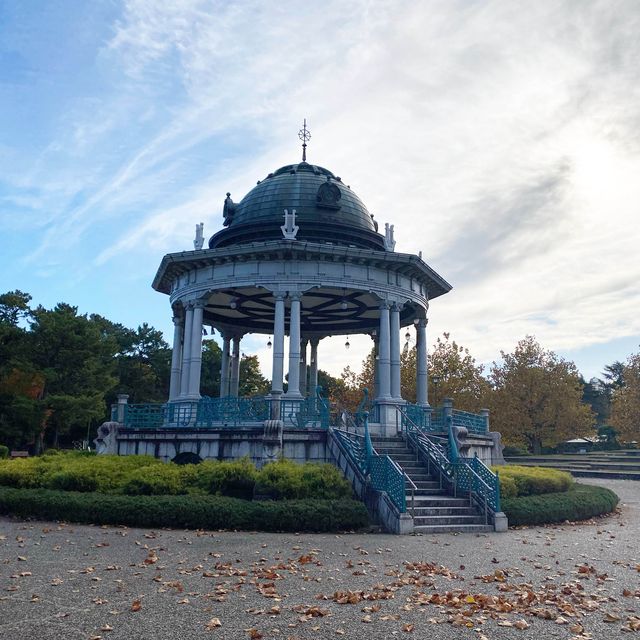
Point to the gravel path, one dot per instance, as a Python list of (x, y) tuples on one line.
[(81, 582)]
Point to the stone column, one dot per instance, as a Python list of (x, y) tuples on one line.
[(195, 365), (235, 367), (293, 390), (176, 359), (384, 363), (123, 400), (422, 372), (376, 368), (186, 351), (278, 345), (395, 352), (303, 366), (313, 369), (224, 366)]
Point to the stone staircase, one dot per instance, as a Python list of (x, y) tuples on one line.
[(623, 464), (435, 510)]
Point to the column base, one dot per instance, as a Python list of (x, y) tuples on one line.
[(388, 420)]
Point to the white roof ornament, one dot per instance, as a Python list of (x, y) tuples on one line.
[(198, 242), (289, 228), (389, 242)]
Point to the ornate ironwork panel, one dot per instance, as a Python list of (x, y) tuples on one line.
[(385, 476), (474, 422), (144, 416)]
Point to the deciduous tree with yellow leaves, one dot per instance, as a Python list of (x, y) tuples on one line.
[(537, 398), (625, 406)]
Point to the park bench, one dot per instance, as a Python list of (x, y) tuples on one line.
[(19, 454)]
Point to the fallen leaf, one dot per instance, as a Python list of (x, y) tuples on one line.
[(611, 617), (213, 624), (136, 605)]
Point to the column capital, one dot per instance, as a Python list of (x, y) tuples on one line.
[(314, 342), (178, 320), (396, 306), (279, 295), (199, 303), (295, 295), (384, 304), (422, 322)]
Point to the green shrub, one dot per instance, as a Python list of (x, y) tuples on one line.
[(4, 452), (72, 480), (78, 468), (206, 512), (144, 475), (530, 481), (509, 451), (288, 480), (235, 479), (508, 487), (153, 480), (580, 502)]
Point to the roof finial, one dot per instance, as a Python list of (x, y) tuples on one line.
[(304, 135)]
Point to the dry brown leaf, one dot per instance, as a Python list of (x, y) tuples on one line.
[(136, 605), (213, 624), (408, 628), (254, 634)]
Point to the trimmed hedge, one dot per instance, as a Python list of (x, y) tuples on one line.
[(145, 475), (580, 502), (528, 481), (191, 512), (4, 452)]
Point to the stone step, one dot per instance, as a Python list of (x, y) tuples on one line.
[(438, 501), (426, 484), (459, 528), (436, 491), (423, 480), (405, 456), (440, 511), (447, 520)]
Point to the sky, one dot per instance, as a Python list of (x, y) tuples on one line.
[(502, 139)]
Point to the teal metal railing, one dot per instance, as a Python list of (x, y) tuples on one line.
[(144, 416), (433, 420), (232, 411), (229, 412), (382, 472), (473, 422), (461, 474)]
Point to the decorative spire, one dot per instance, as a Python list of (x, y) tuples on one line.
[(305, 136)]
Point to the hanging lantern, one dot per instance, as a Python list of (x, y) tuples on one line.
[(346, 344), (269, 344)]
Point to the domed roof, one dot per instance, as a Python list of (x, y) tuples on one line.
[(327, 210)]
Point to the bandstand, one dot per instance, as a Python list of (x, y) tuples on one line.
[(301, 256)]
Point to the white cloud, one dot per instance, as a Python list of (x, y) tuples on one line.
[(501, 139)]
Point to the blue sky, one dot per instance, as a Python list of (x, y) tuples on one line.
[(502, 139)]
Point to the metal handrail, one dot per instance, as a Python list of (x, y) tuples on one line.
[(339, 433), (449, 470), (412, 484)]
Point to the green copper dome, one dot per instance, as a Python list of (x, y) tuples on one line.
[(327, 210)]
